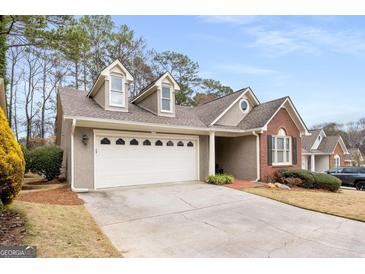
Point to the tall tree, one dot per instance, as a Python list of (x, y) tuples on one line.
[(183, 69)]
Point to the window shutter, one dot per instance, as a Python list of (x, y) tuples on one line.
[(294, 150), (269, 150)]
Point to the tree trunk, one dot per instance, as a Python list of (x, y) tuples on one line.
[(10, 107), (76, 75), (3, 48)]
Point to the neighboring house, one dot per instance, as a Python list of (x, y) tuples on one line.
[(321, 152), (110, 140), (354, 158), (2, 96)]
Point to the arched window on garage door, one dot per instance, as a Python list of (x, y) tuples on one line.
[(146, 143), (158, 143), (105, 141), (120, 141), (133, 142)]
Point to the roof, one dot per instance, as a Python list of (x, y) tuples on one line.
[(209, 111), (328, 144), (261, 114), (308, 140)]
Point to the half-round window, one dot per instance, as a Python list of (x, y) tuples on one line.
[(170, 144), (158, 143), (190, 144), (244, 106), (105, 141), (120, 141), (180, 144), (146, 143), (133, 142), (281, 132)]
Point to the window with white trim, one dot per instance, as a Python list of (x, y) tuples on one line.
[(337, 160), (166, 99), (117, 94), (281, 148)]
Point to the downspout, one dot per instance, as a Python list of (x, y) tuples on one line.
[(257, 155), (73, 188)]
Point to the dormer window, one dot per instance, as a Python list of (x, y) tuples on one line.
[(166, 99), (117, 95)]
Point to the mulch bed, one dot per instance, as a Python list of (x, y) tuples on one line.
[(59, 196), (12, 228), (240, 184)]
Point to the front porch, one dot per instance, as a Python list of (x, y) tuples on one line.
[(316, 162)]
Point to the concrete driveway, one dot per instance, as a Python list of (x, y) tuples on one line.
[(200, 220)]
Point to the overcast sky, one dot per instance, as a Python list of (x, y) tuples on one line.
[(319, 61)]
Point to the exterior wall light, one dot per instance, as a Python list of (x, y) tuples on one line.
[(85, 139)]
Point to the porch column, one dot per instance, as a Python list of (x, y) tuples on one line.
[(211, 153), (313, 163)]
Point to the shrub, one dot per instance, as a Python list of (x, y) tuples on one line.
[(46, 161), (292, 181), (307, 178), (26, 154), (326, 181), (11, 163), (220, 179)]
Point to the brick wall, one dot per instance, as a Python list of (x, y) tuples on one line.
[(339, 151), (281, 120)]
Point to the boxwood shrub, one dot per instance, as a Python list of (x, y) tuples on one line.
[(306, 176), (220, 179), (11, 163), (326, 181), (46, 161)]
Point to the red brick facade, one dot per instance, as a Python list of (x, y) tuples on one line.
[(338, 150), (281, 120)]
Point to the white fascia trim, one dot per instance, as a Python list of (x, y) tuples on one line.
[(257, 156), (324, 133), (229, 107), (306, 132), (73, 188), (320, 154), (81, 118)]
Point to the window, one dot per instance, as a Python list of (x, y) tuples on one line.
[(337, 161), (158, 143), (244, 105), (120, 141), (180, 144), (105, 141), (281, 148), (133, 142), (170, 144), (166, 105), (190, 144), (116, 91), (146, 143)]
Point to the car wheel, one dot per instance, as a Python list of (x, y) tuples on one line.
[(360, 186)]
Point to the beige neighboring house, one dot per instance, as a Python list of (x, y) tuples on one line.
[(321, 152), (111, 140), (354, 158), (2, 96)]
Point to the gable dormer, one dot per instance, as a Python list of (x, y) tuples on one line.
[(159, 96), (110, 90), (321, 135), (238, 109)]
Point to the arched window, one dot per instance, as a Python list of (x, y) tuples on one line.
[(146, 143), (105, 141), (120, 141), (281, 148), (180, 144), (170, 144), (158, 143), (281, 132), (133, 142), (190, 144), (337, 160)]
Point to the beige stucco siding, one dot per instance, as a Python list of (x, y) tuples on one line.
[(84, 158), (65, 144), (203, 157), (150, 103), (100, 96), (237, 156), (234, 115)]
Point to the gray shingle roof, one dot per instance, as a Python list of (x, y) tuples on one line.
[(261, 114), (308, 141), (328, 144), (76, 103), (209, 111)]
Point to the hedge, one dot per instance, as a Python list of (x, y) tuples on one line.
[(307, 179), (46, 161), (11, 163), (220, 179)]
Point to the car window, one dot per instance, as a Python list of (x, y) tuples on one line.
[(348, 170)]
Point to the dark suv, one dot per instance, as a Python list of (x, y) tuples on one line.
[(350, 176)]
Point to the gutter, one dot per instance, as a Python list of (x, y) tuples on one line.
[(257, 155), (73, 188)]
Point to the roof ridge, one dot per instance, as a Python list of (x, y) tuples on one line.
[(218, 98), (281, 98)]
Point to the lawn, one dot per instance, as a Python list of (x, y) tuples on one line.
[(62, 230), (344, 203)]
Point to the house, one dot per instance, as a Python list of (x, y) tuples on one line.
[(111, 140), (354, 158), (321, 152)]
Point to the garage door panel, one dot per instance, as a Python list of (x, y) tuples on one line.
[(119, 165)]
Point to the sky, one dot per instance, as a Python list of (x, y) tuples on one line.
[(319, 61)]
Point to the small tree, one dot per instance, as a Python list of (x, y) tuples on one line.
[(11, 163)]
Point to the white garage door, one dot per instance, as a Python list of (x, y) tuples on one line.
[(134, 159)]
